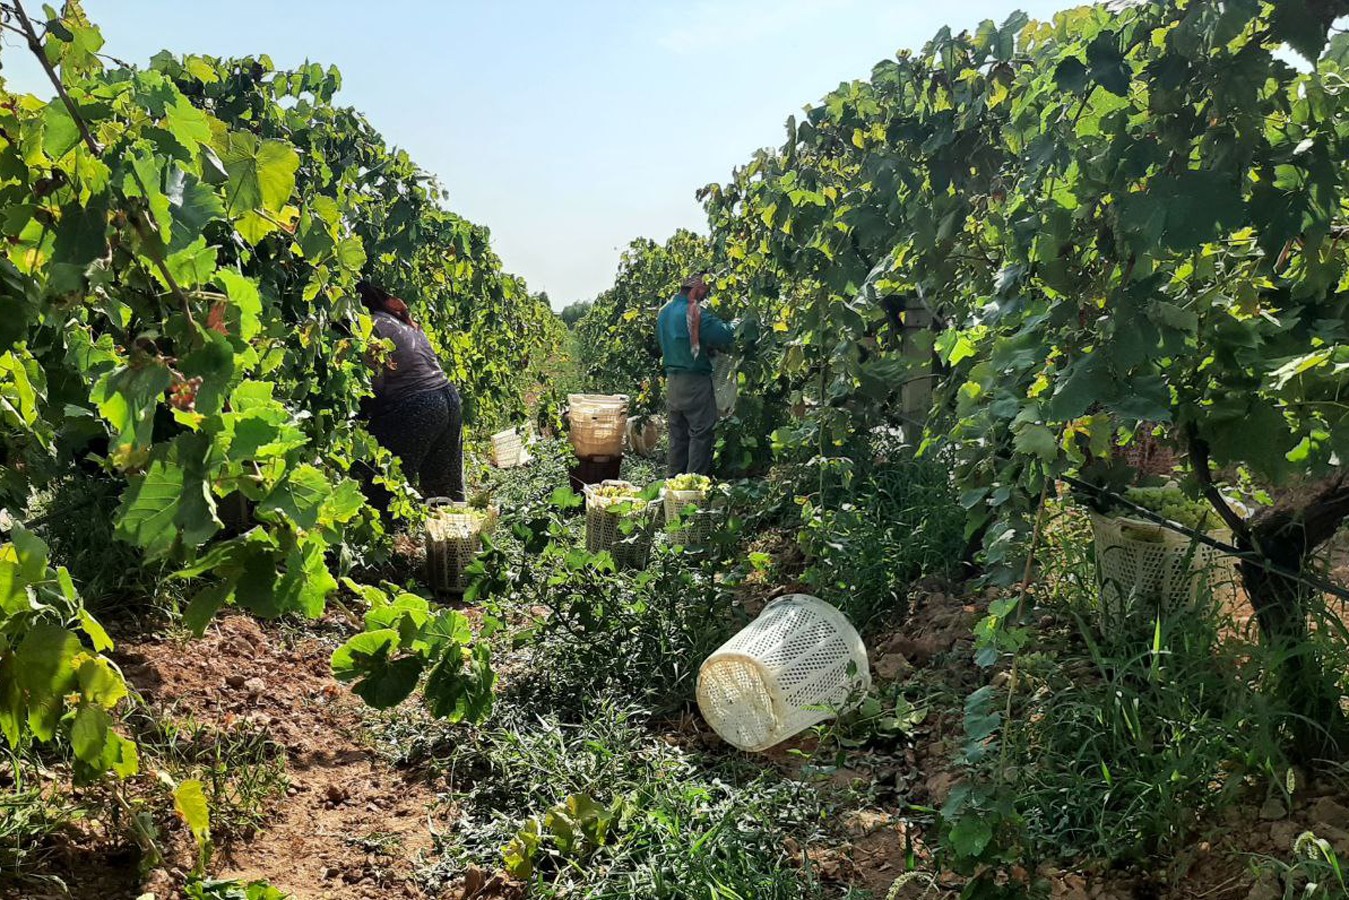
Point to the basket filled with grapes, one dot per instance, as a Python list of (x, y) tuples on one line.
[(454, 533), (618, 520), (687, 510), (1138, 560)]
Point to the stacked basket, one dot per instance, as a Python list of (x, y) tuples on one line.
[(599, 423), (453, 538), (605, 518)]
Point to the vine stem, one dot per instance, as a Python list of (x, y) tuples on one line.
[(1036, 534), (1199, 457), (138, 830), (35, 47)]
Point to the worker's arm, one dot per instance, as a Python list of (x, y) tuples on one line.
[(713, 332)]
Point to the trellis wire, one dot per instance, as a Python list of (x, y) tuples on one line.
[(1202, 538)]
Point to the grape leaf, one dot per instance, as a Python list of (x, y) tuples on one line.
[(261, 173)]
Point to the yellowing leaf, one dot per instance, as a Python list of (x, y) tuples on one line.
[(189, 801)]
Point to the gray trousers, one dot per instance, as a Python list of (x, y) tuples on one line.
[(691, 408)]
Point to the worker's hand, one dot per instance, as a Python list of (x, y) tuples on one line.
[(747, 330)]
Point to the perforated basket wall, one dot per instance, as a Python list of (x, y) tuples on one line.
[(1139, 563), (692, 527), (453, 539), (604, 526), (725, 383), (508, 449), (799, 663), (598, 423)]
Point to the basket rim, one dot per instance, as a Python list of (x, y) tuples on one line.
[(1217, 534)]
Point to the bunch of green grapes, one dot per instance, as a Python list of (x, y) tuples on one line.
[(689, 483), (615, 492), (1172, 504)]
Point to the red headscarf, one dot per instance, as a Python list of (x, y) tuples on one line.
[(695, 314), (376, 298)]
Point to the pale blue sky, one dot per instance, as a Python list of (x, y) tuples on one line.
[(567, 128)]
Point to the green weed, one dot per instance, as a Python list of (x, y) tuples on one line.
[(652, 819), (32, 820), (76, 516), (242, 770), (1313, 873), (876, 533)]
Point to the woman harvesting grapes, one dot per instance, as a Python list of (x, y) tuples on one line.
[(416, 411)]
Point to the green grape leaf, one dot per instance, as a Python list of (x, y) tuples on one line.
[(245, 301), (1039, 441), (149, 512), (342, 504), (188, 124), (261, 173), (306, 582), (127, 398), (971, 835), (192, 205), (299, 497), (11, 700), (100, 683), (459, 689), (97, 635), (45, 674), (1108, 66), (204, 606), (1087, 381), (1302, 24), (60, 134), (89, 734), (380, 681)]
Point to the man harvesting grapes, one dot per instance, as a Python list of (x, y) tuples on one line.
[(687, 335)]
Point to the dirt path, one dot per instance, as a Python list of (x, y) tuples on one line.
[(350, 825)]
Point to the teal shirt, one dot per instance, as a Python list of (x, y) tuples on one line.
[(672, 330)]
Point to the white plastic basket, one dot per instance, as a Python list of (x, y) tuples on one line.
[(1139, 561), (508, 449), (725, 382), (799, 663), (453, 539), (598, 423), (695, 525), (604, 525)]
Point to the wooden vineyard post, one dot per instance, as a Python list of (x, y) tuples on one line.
[(916, 397)]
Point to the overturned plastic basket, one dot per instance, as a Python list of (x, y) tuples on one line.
[(508, 449), (799, 663)]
